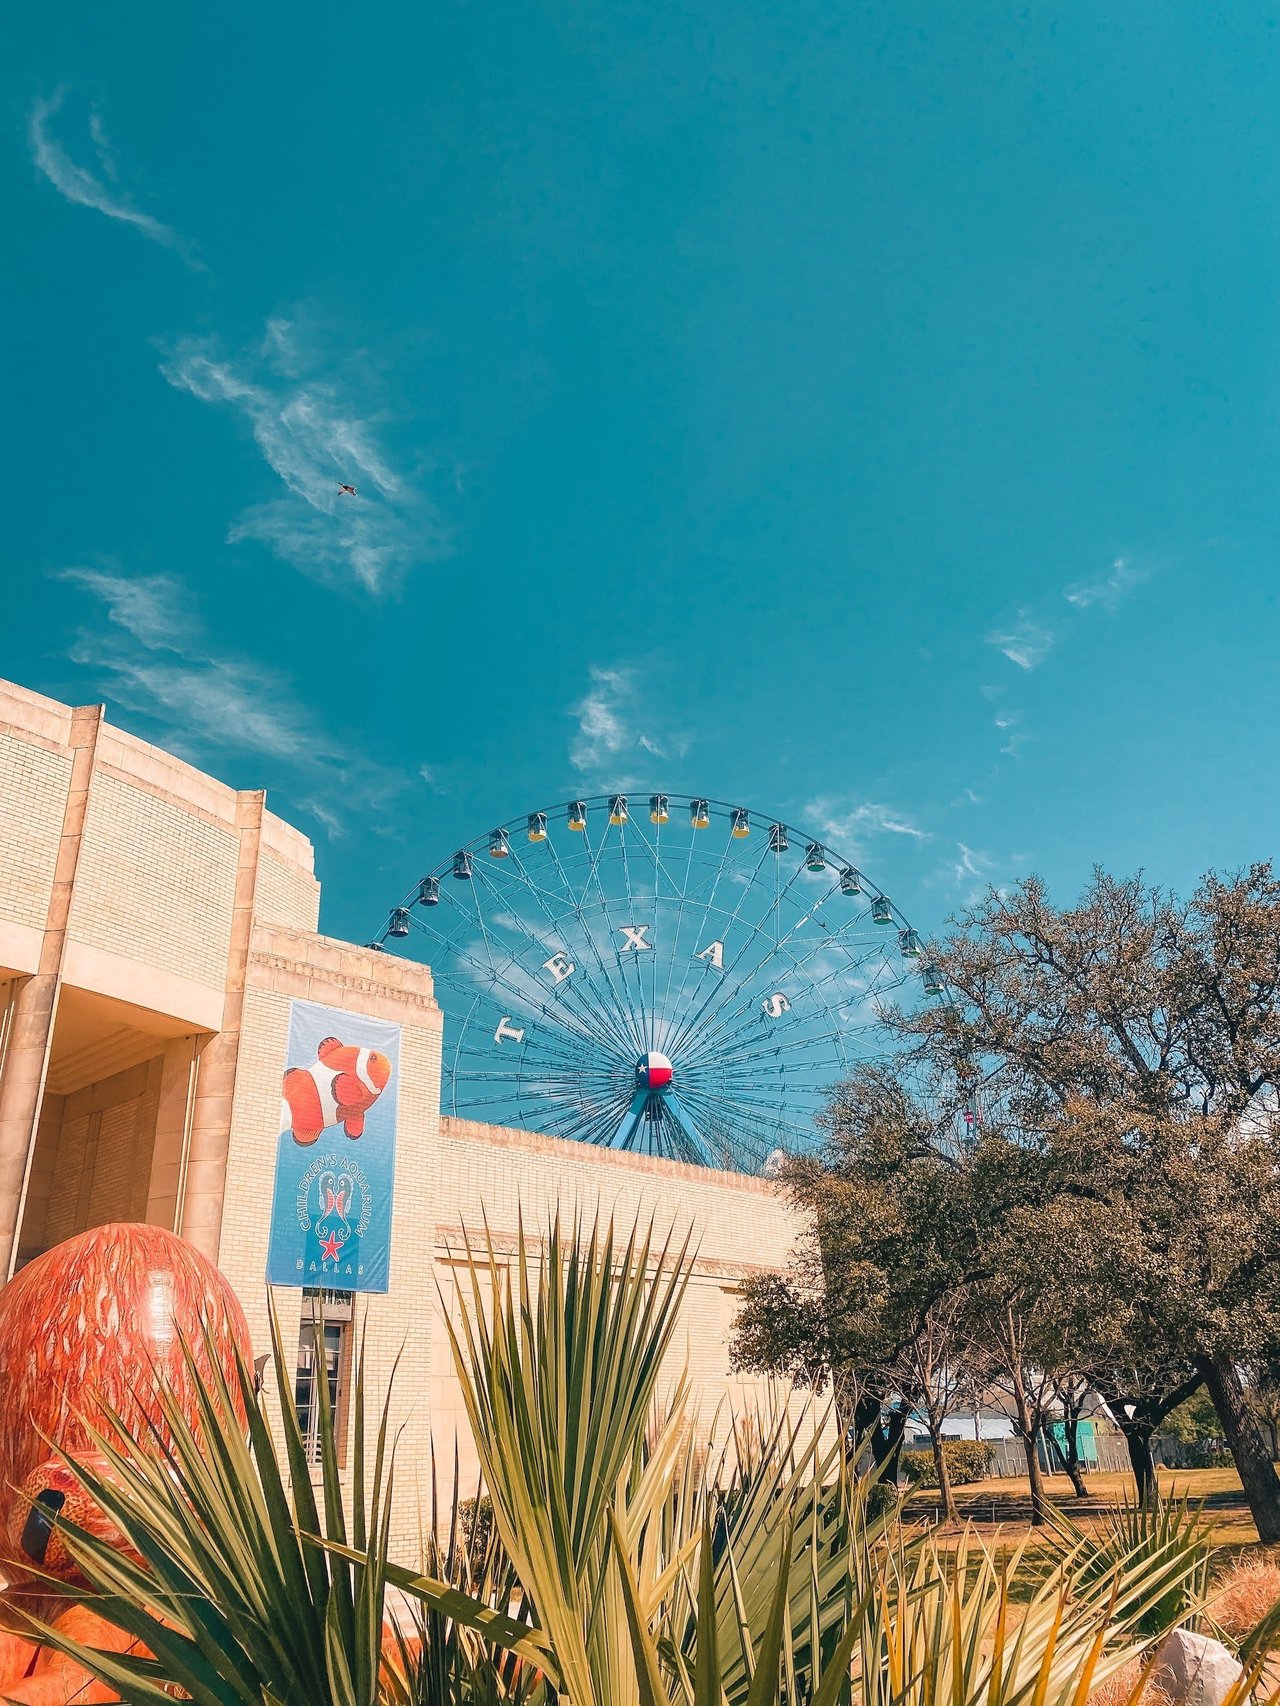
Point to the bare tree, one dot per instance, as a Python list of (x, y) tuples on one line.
[(937, 1364)]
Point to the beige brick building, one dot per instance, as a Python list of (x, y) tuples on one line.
[(154, 926)]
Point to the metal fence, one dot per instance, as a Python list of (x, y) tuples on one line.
[(1008, 1457), (1192, 1454)]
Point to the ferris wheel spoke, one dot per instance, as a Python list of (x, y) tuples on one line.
[(681, 1026), (763, 1130), (607, 1021), (568, 998), (721, 989), (653, 846), (623, 1015), (726, 1126), (689, 960), (727, 1016), (728, 994), (680, 906), (597, 1021), (602, 1126), (761, 1041), (526, 1004), (717, 996)]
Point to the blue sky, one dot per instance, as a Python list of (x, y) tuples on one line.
[(867, 413)]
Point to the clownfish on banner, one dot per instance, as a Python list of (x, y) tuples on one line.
[(338, 1089)]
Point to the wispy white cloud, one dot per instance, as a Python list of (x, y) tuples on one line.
[(168, 673), (217, 701), (314, 442), (602, 731), (966, 873), (1026, 643), (847, 825), (612, 726), (970, 864), (159, 665), (1107, 592), (108, 159), (79, 185), (149, 607)]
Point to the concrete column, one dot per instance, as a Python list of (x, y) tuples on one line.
[(200, 1208), (35, 1006)]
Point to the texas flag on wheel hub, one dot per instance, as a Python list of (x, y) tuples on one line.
[(653, 1071)]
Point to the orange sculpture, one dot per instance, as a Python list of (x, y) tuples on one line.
[(89, 1334)]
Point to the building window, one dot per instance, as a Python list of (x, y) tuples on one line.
[(322, 1353)]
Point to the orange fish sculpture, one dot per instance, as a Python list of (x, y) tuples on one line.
[(338, 1088)]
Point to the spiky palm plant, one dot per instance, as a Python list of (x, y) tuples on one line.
[(624, 1569), (232, 1595), (649, 1577), (1170, 1535)]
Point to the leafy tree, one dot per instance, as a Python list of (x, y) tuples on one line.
[(888, 1237), (1141, 1036), (1264, 1397), (1193, 1420)]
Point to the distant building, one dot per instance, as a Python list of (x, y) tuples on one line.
[(157, 930)]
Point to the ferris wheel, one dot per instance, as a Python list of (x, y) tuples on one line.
[(667, 975)]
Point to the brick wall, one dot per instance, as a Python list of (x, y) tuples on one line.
[(156, 882), (33, 796), (100, 1158), (737, 1226), (285, 894)]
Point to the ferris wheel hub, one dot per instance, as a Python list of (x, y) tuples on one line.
[(654, 1071)]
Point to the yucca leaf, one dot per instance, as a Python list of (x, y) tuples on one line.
[(648, 1669)]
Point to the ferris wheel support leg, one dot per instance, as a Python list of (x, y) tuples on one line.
[(630, 1126), (690, 1130)]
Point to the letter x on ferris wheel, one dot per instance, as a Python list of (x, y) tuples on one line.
[(666, 975)]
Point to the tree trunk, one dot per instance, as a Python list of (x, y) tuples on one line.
[(1071, 1407), (1253, 1460), (946, 1498), (886, 1445), (870, 1427), (1137, 1439), (1071, 1457), (1138, 1418), (1035, 1480)]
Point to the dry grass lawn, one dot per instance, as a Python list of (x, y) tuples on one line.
[(1004, 1505)]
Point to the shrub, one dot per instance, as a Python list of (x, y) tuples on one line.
[(968, 1460), (1245, 1596), (475, 1525)]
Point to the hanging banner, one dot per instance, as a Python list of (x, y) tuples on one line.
[(336, 1158)]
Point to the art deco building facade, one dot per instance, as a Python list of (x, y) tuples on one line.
[(155, 929)]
